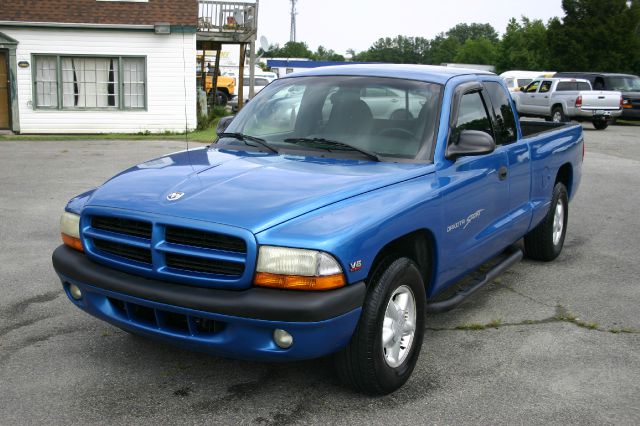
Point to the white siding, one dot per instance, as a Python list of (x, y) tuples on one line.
[(170, 80)]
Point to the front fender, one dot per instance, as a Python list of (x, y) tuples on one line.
[(356, 229)]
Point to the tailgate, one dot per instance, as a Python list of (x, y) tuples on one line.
[(600, 100)]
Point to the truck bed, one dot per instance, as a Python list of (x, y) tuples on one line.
[(531, 128)]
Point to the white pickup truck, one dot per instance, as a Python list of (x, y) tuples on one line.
[(563, 99)]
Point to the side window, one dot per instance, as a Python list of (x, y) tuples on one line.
[(472, 115), (565, 86), (533, 87), (545, 87), (506, 130), (582, 85)]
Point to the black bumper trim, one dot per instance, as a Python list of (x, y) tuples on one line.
[(256, 303)]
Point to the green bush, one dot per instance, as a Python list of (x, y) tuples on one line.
[(211, 120)]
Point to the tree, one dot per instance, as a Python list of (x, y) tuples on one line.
[(323, 54), (477, 51), (596, 35), (464, 32), (399, 50), (443, 49), (291, 49), (523, 46)]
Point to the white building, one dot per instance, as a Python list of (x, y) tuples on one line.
[(118, 67)]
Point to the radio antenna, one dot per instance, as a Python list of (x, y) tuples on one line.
[(294, 12), (186, 115)]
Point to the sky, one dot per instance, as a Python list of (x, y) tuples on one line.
[(357, 24)]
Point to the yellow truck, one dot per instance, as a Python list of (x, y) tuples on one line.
[(226, 88)]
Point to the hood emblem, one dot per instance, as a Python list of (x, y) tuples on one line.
[(175, 196)]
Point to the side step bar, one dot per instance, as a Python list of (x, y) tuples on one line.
[(513, 256)]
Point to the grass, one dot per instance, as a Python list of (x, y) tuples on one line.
[(205, 136), (628, 122), (496, 323), (569, 317)]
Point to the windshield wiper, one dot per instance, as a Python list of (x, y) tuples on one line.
[(329, 143), (244, 138)]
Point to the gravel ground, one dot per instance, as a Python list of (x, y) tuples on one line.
[(563, 346)]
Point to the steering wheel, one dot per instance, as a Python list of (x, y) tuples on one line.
[(398, 132)]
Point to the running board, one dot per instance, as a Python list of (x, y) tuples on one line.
[(513, 256)]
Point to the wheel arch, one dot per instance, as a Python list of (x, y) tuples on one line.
[(565, 176), (419, 246)]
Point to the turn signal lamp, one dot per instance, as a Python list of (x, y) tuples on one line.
[(70, 230), (297, 269)]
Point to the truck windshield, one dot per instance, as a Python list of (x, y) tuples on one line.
[(383, 117), (624, 84)]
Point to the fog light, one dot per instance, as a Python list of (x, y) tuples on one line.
[(75, 291), (283, 339)]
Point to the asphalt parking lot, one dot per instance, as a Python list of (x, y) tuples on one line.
[(555, 343)]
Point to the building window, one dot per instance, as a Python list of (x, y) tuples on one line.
[(90, 82), (46, 82)]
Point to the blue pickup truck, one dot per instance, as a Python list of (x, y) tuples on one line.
[(330, 215)]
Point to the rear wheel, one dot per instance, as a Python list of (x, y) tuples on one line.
[(545, 241), (600, 124), (557, 115), (385, 347)]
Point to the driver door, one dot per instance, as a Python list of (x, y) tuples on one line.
[(475, 196), (527, 104)]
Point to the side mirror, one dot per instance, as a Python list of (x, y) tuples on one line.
[(224, 123), (471, 142), (521, 88)]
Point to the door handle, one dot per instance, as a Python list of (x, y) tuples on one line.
[(502, 173), (546, 97)]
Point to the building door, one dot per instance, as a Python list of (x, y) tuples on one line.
[(4, 91)]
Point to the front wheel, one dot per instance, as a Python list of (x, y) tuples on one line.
[(545, 241), (384, 349), (600, 124)]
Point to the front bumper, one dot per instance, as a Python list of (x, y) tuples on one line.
[(236, 324)]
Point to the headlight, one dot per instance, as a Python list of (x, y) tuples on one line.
[(70, 230), (297, 269)]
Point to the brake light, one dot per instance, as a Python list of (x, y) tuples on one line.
[(579, 101)]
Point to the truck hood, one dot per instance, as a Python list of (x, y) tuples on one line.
[(251, 190)]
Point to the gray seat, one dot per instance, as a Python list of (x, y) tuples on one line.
[(349, 114)]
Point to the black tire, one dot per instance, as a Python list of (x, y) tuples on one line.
[(539, 243), (220, 99), (362, 365), (557, 115), (600, 124)]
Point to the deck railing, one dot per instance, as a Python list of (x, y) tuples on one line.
[(227, 16)]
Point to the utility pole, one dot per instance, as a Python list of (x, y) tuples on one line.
[(292, 36)]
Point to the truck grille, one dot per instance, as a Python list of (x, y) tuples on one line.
[(119, 225), (208, 266), (207, 257), (123, 250), (211, 240)]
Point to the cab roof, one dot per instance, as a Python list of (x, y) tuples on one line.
[(427, 73)]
